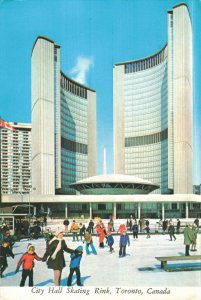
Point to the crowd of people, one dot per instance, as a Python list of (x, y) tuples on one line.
[(56, 244)]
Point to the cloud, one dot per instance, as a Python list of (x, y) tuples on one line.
[(80, 70)]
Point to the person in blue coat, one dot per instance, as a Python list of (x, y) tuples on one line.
[(124, 241), (135, 230), (110, 241), (75, 266)]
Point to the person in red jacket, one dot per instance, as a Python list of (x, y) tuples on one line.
[(101, 232), (27, 261)]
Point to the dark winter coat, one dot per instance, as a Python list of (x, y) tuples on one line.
[(178, 225), (58, 263), (165, 224), (91, 224), (135, 228), (110, 240), (171, 229), (124, 240), (82, 230), (4, 252)]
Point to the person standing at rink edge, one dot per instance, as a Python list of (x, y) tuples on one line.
[(188, 238)]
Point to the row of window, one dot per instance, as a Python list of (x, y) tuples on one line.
[(153, 82), (147, 139), (160, 72), (73, 146), (146, 92), (73, 104), (146, 63), (73, 87)]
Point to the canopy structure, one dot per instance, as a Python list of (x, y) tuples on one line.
[(114, 184)]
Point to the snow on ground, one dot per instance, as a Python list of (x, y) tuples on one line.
[(138, 269)]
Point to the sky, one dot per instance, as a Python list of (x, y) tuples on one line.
[(93, 35)]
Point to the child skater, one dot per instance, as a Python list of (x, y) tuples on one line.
[(89, 242), (75, 266), (27, 260), (124, 241), (110, 241), (5, 251)]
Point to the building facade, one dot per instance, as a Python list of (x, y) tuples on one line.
[(153, 111), (16, 159), (64, 124)]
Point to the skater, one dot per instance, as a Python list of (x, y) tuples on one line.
[(100, 228), (90, 227), (89, 242), (131, 223), (27, 262), (4, 252), (82, 229), (111, 222), (74, 229), (147, 229), (171, 231), (124, 241), (178, 226), (165, 225), (75, 266), (141, 224), (195, 230), (135, 230), (188, 239), (56, 257), (110, 241), (9, 238)]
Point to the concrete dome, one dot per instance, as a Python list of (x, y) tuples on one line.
[(114, 184)]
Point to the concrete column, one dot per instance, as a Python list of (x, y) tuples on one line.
[(90, 211), (66, 210), (186, 210), (163, 211), (115, 210), (139, 210), (34, 211)]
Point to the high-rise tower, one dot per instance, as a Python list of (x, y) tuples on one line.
[(63, 124), (153, 111)]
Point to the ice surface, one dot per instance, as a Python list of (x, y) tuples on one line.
[(139, 268)]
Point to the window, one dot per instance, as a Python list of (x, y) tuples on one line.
[(119, 206), (174, 205), (84, 206), (101, 206)]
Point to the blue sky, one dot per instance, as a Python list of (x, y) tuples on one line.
[(93, 35)]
